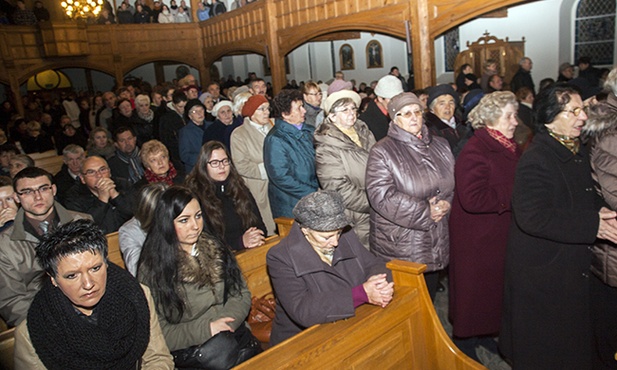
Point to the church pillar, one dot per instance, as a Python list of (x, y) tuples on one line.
[(14, 85), (422, 45), (277, 61)]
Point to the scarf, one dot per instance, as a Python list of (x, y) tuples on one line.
[(509, 144), (136, 171), (148, 117), (350, 133), (573, 144), (118, 340), (168, 178)]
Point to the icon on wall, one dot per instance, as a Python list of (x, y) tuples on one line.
[(346, 56), (374, 57)]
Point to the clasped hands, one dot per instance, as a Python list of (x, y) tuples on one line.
[(253, 237), (378, 290), (439, 208)]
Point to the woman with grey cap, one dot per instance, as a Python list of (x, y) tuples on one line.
[(321, 272), (410, 186), (342, 143)]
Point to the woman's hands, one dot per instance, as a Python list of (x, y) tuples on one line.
[(253, 237), (439, 208), (608, 225), (221, 325), (378, 290)]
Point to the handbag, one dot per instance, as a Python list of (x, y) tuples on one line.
[(223, 351), (261, 316)]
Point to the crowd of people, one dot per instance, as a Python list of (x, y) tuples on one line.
[(494, 188)]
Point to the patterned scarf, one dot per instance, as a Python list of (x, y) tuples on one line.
[(136, 171), (168, 178), (509, 144), (117, 340), (573, 144)]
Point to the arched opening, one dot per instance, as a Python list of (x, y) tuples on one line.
[(160, 71)]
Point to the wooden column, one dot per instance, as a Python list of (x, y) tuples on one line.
[(422, 45), (277, 61), (14, 84)]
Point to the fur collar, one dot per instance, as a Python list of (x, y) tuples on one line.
[(601, 121), (205, 269)]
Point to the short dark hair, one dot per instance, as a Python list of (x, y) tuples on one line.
[(550, 102), (9, 147), (178, 96), (282, 101), (393, 68), (121, 130), (75, 237), (31, 173)]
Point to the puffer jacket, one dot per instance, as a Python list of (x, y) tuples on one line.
[(341, 165), (402, 174), (603, 132)]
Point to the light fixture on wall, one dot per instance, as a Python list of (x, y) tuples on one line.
[(76, 9)]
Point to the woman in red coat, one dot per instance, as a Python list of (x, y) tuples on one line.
[(480, 220)]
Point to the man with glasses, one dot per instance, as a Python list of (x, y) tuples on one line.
[(20, 273), (106, 199)]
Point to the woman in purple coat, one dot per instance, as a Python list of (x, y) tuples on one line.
[(480, 220)]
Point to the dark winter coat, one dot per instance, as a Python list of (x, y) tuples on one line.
[(402, 174), (308, 291), (455, 136), (376, 120), (546, 316), (289, 158), (479, 225)]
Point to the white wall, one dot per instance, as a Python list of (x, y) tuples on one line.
[(548, 36)]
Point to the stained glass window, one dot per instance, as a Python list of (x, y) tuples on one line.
[(595, 31), (451, 48)]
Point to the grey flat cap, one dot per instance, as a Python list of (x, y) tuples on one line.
[(321, 211)]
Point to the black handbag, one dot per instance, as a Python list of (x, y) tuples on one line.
[(221, 352)]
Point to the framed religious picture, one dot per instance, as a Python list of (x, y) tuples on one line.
[(346, 57), (374, 57)]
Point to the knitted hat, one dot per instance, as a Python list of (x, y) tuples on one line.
[(220, 105), (321, 211), (402, 100), (388, 86), (331, 99), (252, 104), (189, 105), (338, 85), (439, 90)]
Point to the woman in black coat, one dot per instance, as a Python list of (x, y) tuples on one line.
[(557, 217)]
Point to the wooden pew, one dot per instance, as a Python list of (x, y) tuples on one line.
[(405, 335), (50, 164), (113, 250)]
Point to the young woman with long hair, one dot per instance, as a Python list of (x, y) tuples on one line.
[(232, 212)]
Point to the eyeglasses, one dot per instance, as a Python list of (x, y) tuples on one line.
[(348, 110), (408, 114), (101, 171), (576, 111), (215, 163), (43, 189), (315, 94), (264, 109)]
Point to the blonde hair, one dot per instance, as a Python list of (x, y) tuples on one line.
[(490, 109), (150, 148)]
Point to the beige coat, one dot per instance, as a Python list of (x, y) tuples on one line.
[(156, 357), (247, 153), (341, 165)]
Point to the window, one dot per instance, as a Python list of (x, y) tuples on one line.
[(595, 31), (451, 48)]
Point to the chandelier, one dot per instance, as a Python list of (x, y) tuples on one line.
[(82, 8)]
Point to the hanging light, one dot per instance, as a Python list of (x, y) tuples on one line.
[(76, 9)]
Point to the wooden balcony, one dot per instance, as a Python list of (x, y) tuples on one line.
[(272, 28)]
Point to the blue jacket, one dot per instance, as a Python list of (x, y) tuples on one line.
[(190, 140), (289, 158)]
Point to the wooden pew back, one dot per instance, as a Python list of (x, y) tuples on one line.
[(113, 250), (50, 164)]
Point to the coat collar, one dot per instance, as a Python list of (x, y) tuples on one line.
[(305, 260), (494, 146), (564, 155), (399, 134), (289, 129), (328, 129), (19, 232)]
